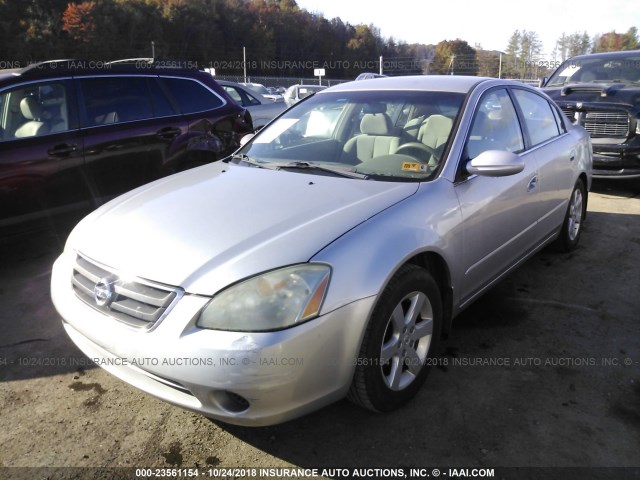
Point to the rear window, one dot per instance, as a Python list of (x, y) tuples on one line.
[(192, 96)]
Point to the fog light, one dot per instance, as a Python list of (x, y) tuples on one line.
[(230, 401)]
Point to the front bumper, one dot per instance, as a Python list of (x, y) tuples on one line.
[(242, 378), (616, 161)]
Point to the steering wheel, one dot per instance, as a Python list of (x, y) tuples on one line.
[(419, 146)]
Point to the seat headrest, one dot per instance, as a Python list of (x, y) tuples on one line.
[(374, 107), (375, 124), (30, 108)]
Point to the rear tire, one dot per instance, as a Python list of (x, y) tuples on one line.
[(573, 219), (399, 341)]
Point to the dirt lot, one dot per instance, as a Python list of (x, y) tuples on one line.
[(563, 331)]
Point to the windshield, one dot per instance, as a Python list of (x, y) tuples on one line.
[(618, 69), (387, 135)]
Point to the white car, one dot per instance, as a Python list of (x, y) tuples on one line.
[(295, 93), (328, 257)]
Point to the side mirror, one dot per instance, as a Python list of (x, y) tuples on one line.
[(542, 81), (495, 163), (244, 140)]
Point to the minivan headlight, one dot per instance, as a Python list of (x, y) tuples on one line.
[(270, 301)]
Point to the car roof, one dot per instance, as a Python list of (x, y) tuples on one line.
[(74, 67), (227, 82), (622, 53), (7, 74), (443, 83)]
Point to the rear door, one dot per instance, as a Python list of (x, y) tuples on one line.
[(132, 133), (214, 131), (547, 139), (40, 151)]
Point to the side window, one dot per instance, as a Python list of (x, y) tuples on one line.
[(538, 116), (233, 93), (116, 99), (559, 119), (192, 96), (495, 126), (34, 110), (251, 100), (162, 107)]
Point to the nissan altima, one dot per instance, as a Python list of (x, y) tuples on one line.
[(328, 256)]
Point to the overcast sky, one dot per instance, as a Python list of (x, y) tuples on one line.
[(487, 22)]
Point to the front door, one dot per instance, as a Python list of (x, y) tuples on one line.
[(499, 213)]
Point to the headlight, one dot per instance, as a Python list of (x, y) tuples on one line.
[(270, 301)]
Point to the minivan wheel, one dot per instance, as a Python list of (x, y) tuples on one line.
[(399, 341), (574, 218)]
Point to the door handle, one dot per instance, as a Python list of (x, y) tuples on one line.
[(62, 150), (533, 184), (169, 133), (572, 156)]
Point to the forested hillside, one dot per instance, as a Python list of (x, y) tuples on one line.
[(279, 39)]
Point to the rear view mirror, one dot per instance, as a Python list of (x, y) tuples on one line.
[(495, 163)]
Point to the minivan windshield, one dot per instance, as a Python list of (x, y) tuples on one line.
[(385, 135), (599, 69)]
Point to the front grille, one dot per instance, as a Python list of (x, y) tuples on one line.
[(600, 123), (137, 303), (570, 114), (607, 124)]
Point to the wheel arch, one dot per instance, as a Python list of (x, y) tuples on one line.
[(436, 265), (585, 182)]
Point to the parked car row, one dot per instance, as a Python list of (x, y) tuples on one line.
[(327, 257), (261, 108), (262, 90)]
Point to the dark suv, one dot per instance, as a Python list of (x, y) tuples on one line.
[(601, 92), (73, 134)]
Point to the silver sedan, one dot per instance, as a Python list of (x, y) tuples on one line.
[(331, 253)]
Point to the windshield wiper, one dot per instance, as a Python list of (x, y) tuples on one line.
[(243, 157), (324, 168)]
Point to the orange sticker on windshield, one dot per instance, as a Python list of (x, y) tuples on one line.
[(414, 167)]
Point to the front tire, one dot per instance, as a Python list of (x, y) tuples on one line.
[(399, 341), (574, 218)]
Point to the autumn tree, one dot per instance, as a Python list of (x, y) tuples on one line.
[(608, 42), (455, 57), (79, 22)]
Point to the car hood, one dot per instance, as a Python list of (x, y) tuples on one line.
[(212, 226), (615, 93)]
